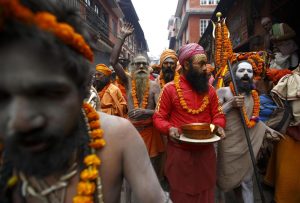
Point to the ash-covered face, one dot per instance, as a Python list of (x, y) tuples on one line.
[(140, 67), (40, 111), (244, 77)]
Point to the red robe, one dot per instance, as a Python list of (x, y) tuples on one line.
[(190, 169)]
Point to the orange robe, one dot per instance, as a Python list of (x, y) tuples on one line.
[(283, 170), (151, 136), (190, 169), (113, 102)]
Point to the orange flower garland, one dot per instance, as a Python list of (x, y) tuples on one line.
[(223, 51), (134, 96), (90, 180), (183, 103), (161, 80), (218, 45), (256, 108), (12, 9)]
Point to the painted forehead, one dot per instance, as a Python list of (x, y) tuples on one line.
[(199, 58), (169, 59), (140, 59), (244, 65)]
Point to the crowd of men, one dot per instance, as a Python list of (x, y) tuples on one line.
[(74, 132)]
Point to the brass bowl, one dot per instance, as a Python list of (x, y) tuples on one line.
[(198, 130)]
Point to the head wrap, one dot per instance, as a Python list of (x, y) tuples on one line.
[(189, 50), (104, 69), (168, 53)]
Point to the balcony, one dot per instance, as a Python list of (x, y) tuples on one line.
[(97, 24)]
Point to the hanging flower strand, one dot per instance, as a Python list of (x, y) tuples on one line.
[(90, 180)]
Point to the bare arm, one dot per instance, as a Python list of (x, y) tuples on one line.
[(228, 101), (126, 30), (138, 169)]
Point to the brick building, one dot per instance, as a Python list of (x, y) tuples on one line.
[(190, 21), (103, 19)]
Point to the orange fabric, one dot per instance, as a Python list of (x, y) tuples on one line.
[(151, 136), (283, 171), (103, 69), (122, 89), (113, 102)]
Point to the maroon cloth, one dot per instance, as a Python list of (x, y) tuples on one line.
[(294, 132), (190, 169), (205, 196)]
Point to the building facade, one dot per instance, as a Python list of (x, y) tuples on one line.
[(190, 21), (243, 18), (103, 19)]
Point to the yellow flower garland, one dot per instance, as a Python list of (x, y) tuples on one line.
[(183, 103), (89, 177)]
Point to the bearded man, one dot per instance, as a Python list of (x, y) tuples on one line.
[(190, 169), (111, 98), (142, 95), (235, 170), (53, 144), (168, 63)]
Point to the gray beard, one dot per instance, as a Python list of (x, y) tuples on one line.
[(141, 85)]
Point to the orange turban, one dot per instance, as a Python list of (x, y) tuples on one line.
[(168, 53), (103, 69)]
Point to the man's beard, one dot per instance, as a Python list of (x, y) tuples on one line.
[(168, 74), (244, 85), (198, 81), (56, 158), (141, 82), (100, 84)]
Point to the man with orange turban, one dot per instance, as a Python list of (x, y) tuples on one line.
[(168, 61), (111, 98), (190, 169)]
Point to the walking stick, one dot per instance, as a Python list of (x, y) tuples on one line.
[(247, 137)]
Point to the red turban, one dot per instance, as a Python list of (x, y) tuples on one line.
[(189, 50)]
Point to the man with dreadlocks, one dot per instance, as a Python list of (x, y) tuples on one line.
[(52, 142)]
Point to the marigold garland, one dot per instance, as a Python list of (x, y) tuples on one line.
[(134, 96), (256, 108), (13, 9), (161, 80), (223, 51), (183, 103), (90, 180)]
